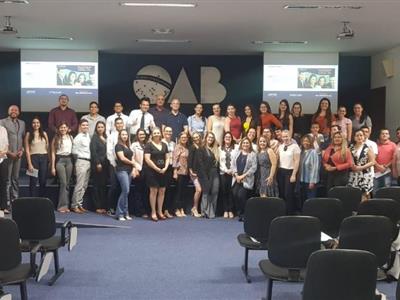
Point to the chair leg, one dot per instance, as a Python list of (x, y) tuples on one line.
[(245, 267), (22, 288), (269, 291), (58, 270)]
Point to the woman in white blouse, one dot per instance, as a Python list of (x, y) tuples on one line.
[(61, 164)]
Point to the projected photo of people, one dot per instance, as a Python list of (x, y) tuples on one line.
[(75, 75), (316, 78)]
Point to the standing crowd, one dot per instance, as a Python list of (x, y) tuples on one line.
[(228, 158)]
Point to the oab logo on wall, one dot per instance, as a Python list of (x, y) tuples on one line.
[(153, 80)]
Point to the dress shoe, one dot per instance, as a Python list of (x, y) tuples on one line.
[(82, 209), (161, 216), (76, 210)]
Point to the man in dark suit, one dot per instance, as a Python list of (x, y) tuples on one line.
[(301, 81)]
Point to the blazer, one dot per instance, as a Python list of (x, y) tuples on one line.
[(98, 150), (16, 132), (250, 169)]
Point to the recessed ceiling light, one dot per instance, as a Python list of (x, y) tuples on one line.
[(162, 41), (312, 6), (154, 4), (14, 2), (163, 30), (46, 38), (279, 42)]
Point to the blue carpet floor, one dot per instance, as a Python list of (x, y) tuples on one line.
[(175, 259)]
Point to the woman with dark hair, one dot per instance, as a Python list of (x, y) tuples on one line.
[(61, 164), (244, 166), (360, 117), (197, 122), (180, 165), (71, 78), (249, 121), (361, 174), (140, 193), (100, 166), (310, 163), (37, 157), (267, 166), (233, 124), (321, 82), (266, 119), (271, 141), (227, 152), (194, 151), (157, 158), (312, 81), (252, 136), (81, 80), (300, 122), (285, 117), (337, 161), (324, 117), (125, 171)]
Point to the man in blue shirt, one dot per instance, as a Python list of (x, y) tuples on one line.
[(176, 120)]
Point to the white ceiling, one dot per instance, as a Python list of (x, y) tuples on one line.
[(214, 26)]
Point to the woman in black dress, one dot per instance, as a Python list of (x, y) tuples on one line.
[(157, 162), (100, 165)]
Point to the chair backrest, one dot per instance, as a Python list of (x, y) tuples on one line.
[(369, 233), (329, 211), (382, 207), (292, 239), (349, 196), (10, 253), (35, 218), (259, 213), (340, 274), (392, 192)]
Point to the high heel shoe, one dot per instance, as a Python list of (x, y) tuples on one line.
[(231, 215), (168, 215), (195, 213), (183, 213), (154, 218), (161, 216), (178, 213)]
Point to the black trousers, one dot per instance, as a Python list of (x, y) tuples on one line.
[(3, 184), (114, 190), (100, 185), (286, 189), (240, 196), (181, 193), (337, 178), (226, 192), (41, 163), (141, 204), (169, 190)]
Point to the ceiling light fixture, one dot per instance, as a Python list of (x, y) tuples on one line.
[(163, 30), (279, 42), (46, 38), (306, 6), (161, 4), (14, 2), (162, 41)]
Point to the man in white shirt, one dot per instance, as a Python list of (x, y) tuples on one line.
[(118, 113), (112, 140), (93, 117), (141, 118), (81, 151), (367, 133)]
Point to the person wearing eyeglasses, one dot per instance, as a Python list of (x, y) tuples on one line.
[(289, 158)]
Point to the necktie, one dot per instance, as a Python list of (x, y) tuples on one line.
[(142, 121)]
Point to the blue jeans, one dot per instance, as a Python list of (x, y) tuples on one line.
[(124, 179)]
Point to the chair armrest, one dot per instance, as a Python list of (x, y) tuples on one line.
[(64, 232)]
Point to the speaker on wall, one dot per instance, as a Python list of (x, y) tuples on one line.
[(388, 67)]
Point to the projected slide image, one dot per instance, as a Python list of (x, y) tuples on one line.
[(76, 75), (316, 78)]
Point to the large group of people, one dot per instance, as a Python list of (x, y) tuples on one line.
[(226, 157)]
